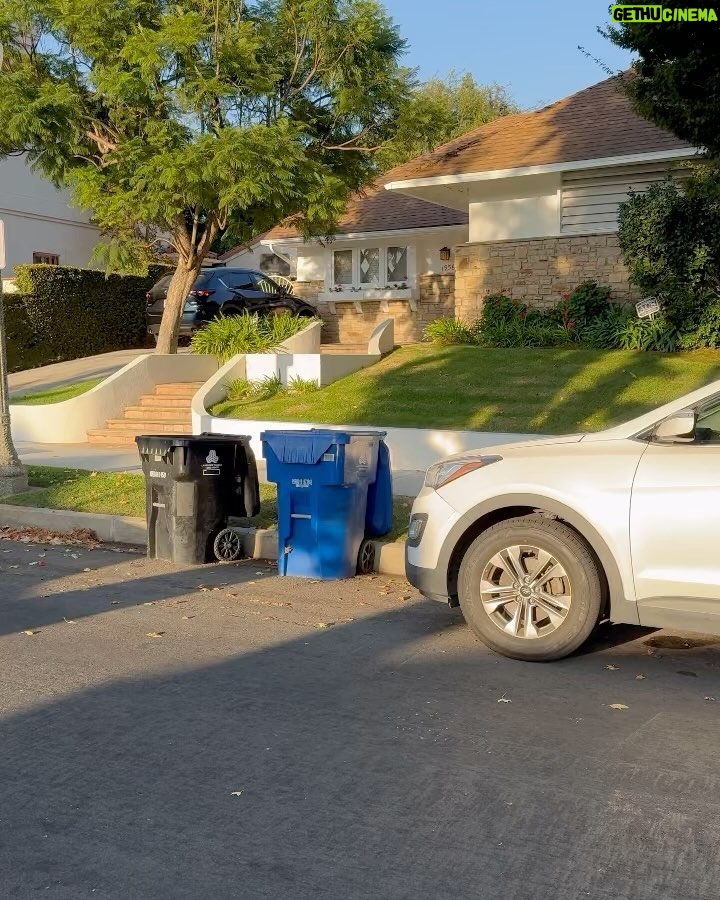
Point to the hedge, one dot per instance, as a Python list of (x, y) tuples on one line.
[(63, 313)]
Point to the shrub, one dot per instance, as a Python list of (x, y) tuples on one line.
[(532, 331), (447, 331), (604, 332), (227, 336), (25, 349), (671, 244), (298, 385), (649, 334), (71, 313), (707, 334), (586, 304), (499, 309), (240, 390)]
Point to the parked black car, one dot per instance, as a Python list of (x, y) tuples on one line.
[(227, 292)]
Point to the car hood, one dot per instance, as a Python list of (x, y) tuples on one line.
[(512, 446)]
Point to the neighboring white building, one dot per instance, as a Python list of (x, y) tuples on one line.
[(41, 225)]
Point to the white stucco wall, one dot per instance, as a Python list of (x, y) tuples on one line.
[(39, 218), (252, 258), (512, 208), (313, 260)]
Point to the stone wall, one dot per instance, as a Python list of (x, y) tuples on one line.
[(347, 326), (538, 271)]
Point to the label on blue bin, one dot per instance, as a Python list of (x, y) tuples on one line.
[(302, 482), (328, 457)]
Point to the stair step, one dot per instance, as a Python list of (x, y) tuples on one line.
[(111, 438), (178, 389), (156, 414), (165, 401), (152, 426)]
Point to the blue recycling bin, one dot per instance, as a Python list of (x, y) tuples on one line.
[(323, 478)]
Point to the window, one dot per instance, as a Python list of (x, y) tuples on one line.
[(239, 281), (370, 267), (48, 259), (707, 430), (397, 267), (343, 267), (266, 285)]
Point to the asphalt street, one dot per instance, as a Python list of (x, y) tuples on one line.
[(223, 733)]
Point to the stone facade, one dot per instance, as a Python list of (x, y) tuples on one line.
[(348, 326), (538, 271)]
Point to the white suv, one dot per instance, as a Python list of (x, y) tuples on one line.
[(540, 540)]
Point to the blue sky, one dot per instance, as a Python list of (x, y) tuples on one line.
[(528, 45)]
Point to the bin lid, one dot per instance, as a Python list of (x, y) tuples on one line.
[(307, 447), (168, 441)]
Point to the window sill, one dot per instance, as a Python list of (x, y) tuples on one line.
[(369, 295)]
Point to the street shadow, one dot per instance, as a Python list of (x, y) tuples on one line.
[(35, 597), (388, 757)]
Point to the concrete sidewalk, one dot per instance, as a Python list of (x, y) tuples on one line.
[(60, 374)]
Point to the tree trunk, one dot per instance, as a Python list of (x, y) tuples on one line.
[(13, 478), (178, 290)]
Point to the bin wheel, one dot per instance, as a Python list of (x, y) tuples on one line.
[(366, 558), (228, 545)]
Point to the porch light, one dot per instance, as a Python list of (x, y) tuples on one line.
[(445, 253)]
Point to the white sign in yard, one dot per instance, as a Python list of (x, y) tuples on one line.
[(648, 307), (2, 245)]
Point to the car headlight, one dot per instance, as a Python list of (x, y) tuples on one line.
[(443, 473)]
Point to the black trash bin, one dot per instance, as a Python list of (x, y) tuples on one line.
[(193, 484)]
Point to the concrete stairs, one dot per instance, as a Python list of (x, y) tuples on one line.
[(344, 348), (166, 411)]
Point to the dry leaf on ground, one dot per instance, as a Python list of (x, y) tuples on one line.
[(155, 634), (618, 706)]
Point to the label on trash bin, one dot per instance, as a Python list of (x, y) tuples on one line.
[(158, 474), (302, 482), (212, 464), (328, 457)]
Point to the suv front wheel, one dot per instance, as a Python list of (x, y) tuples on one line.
[(530, 588)]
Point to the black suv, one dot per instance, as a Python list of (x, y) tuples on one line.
[(227, 292)]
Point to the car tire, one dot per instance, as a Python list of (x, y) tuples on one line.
[(511, 560)]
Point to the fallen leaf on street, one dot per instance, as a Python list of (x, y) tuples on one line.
[(709, 698), (188, 617), (612, 668), (618, 706), (30, 631), (504, 699), (639, 677), (70, 621), (325, 624), (155, 634), (236, 793)]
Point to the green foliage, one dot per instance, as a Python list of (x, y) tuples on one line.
[(604, 332), (66, 313), (438, 111), (676, 81), (240, 390), (532, 331), (583, 305), (447, 331), (299, 385), (499, 310), (671, 244), (707, 334), (185, 119), (227, 336)]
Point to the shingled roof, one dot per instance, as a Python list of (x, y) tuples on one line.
[(594, 123)]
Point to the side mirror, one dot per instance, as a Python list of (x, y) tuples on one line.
[(678, 429)]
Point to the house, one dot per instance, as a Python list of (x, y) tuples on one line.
[(256, 255), (40, 224), (527, 204)]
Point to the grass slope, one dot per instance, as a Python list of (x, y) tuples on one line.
[(546, 391), (55, 395)]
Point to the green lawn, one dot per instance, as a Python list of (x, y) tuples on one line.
[(551, 391), (123, 494), (55, 395)]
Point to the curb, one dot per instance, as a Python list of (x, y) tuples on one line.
[(258, 543)]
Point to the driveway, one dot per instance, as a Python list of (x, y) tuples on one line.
[(219, 732)]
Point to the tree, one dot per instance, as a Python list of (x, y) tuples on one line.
[(440, 110), (676, 80), (670, 238), (175, 121)]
